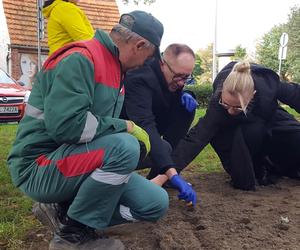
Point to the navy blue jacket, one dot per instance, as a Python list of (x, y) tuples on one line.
[(149, 104)]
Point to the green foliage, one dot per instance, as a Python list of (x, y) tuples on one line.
[(293, 54), (239, 54), (206, 56), (203, 93), (197, 69), (267, 49)]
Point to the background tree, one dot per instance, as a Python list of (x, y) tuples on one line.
[(197, 69), (239, 53), (293, 53), (206, 56), (267, 48)]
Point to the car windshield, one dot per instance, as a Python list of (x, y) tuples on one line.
[(4, 78)]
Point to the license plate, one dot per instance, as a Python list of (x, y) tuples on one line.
[(9, 110)]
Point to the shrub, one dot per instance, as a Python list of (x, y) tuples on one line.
[(203, 93)]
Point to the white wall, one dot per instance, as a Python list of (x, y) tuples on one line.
[(4, 39), (223, 61)]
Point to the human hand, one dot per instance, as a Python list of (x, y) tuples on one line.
[(189, 102), (160, 179), (186, 192), (141, 135)]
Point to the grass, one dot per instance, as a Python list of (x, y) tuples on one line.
[(16, 219), (15, 208), (292, 111), (207, 160)]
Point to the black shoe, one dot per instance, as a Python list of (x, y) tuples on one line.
[(82, 238), (294, 174), (268, 180), (49, 214), (70, 234), (245, 188)]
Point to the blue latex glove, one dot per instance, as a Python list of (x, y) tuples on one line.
[(189, 102), (186, 192)]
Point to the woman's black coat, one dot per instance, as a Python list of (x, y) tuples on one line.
[(264, 106)]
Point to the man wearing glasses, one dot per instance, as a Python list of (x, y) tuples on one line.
[(156, 101)]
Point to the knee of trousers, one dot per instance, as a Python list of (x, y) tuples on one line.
[(158, 207), (163, 203), (126, 150)]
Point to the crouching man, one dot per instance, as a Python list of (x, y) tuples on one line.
[(71, 148)]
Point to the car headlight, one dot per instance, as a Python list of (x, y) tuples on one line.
[(26, 97)]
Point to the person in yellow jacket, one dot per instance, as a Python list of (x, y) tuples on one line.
[(66, 23)]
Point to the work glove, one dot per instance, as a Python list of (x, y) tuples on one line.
[(186, 192), (141, 135), (189, 102)]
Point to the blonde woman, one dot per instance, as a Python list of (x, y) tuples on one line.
[(66, 23), (253, 136)]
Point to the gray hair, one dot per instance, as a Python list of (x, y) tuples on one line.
[(126, 35)]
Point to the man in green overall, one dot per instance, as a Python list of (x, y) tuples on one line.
[(71, 148)]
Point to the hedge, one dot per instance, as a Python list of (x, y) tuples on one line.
[(203, 93)]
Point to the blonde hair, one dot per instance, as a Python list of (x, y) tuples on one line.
[(240, 83)]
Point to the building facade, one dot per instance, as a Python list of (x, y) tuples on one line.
[(19, 33)]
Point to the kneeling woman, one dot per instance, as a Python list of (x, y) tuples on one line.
[(251, 133)]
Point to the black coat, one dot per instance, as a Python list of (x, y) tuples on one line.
[(269, 90), (149, 104)]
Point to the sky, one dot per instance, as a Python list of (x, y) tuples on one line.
[(239, 22)]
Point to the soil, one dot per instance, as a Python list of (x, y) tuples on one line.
[(224, 218)]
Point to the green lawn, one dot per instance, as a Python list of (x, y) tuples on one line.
[(15, 209), (207, 160)]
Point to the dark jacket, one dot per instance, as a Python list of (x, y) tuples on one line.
[(149, 104), (269, 90)]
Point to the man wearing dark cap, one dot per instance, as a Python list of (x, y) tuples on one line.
[(73, 154)]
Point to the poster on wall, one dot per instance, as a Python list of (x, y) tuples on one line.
[(29, 68)]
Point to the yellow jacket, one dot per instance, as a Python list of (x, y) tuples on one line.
[(66, 23)]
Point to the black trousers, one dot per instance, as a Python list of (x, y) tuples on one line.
[(283, 149), (240, 150), (179, 123), (244, 149)]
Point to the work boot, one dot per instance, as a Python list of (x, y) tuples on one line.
[(70, 234), (49, 214), (82, 238)]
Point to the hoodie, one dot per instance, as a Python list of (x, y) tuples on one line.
[(66, 23)]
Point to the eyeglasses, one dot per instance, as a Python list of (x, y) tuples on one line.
[(177, 77), (227, 106)]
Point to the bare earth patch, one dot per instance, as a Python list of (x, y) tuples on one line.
[(224, 218)]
